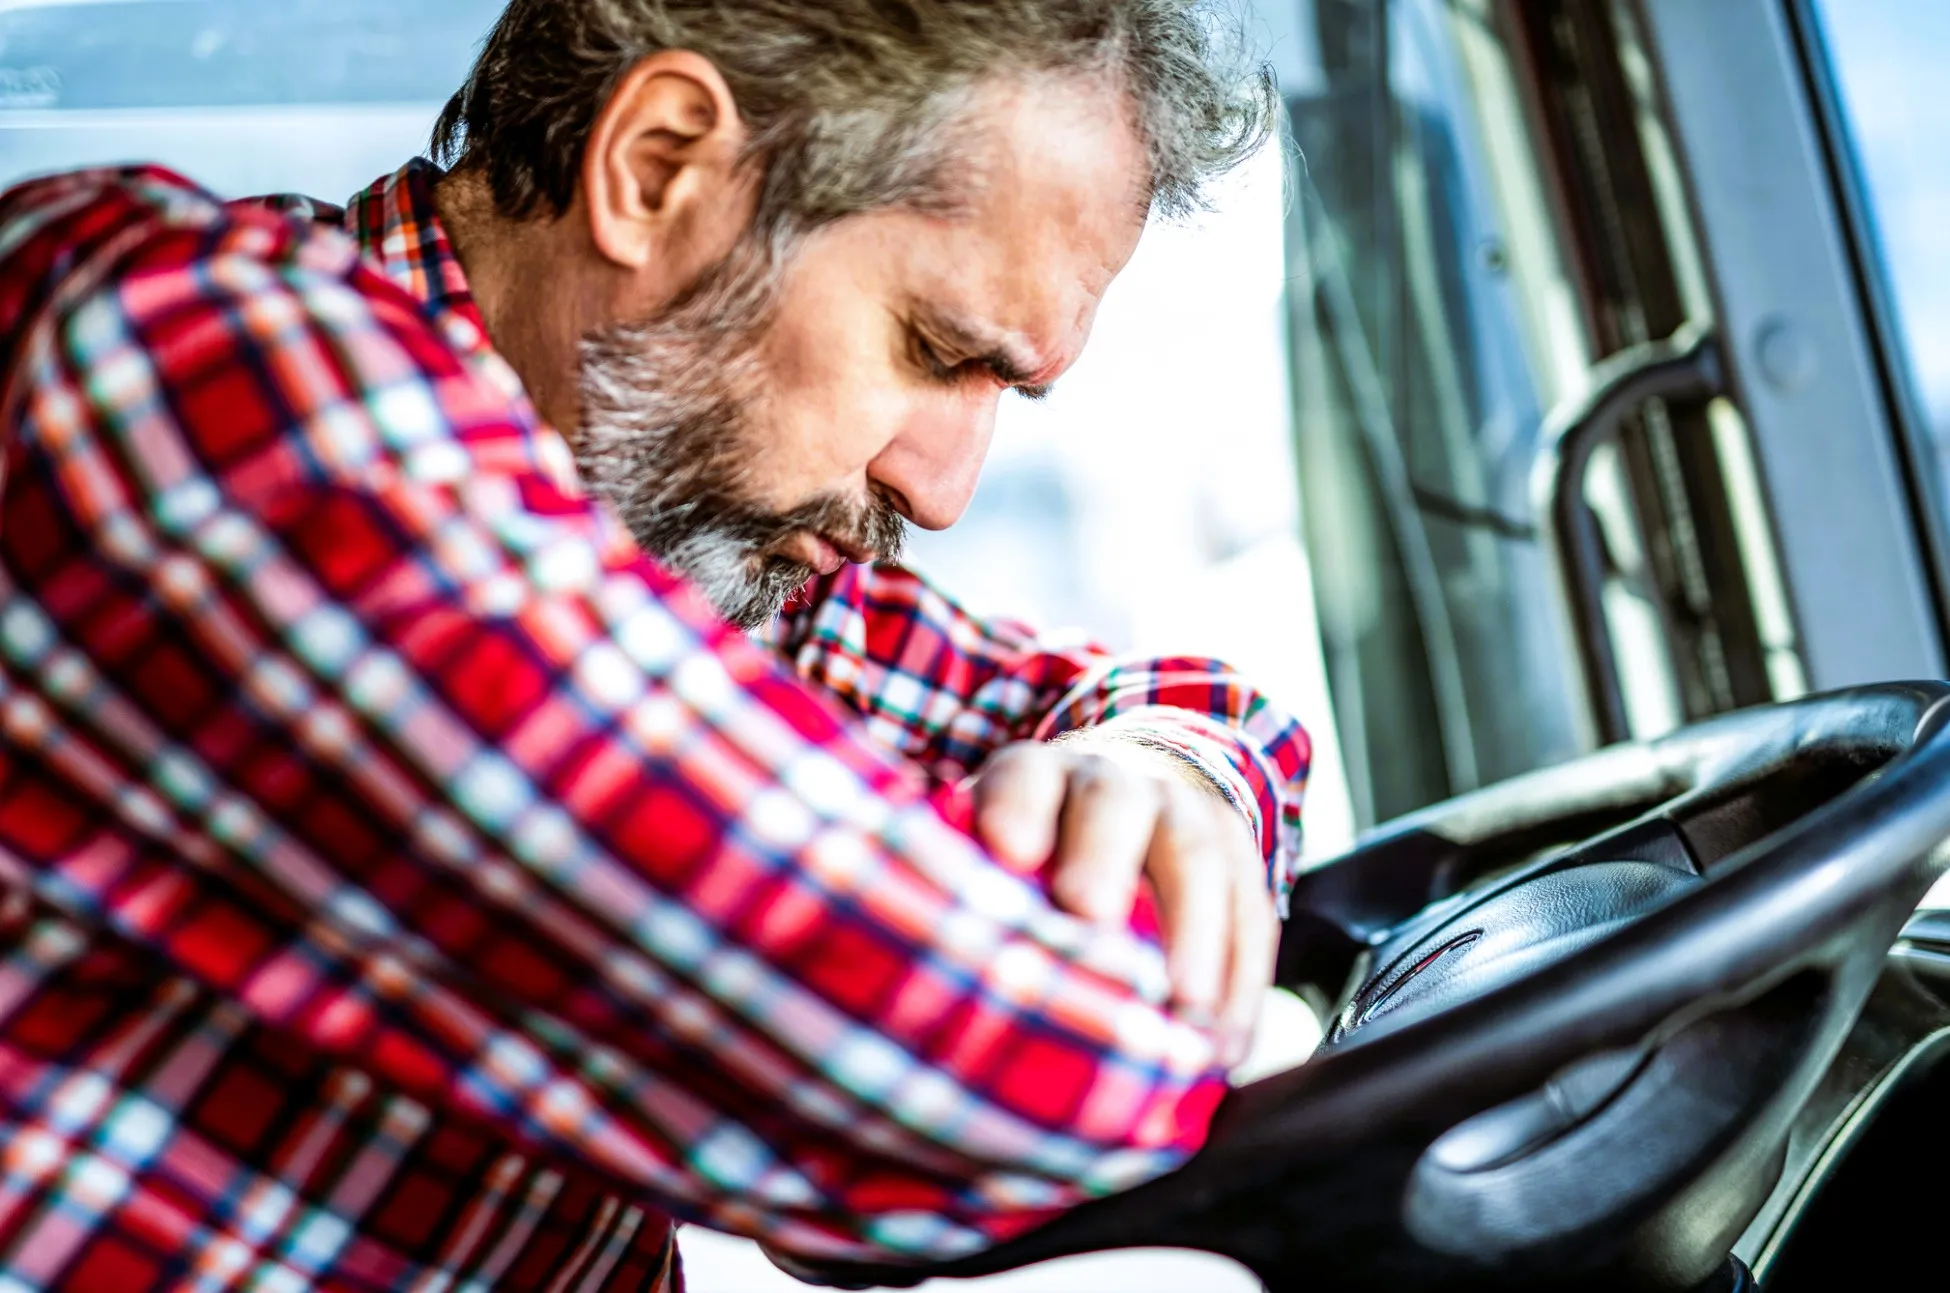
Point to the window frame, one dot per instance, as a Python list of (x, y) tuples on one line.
[(1807, 351)]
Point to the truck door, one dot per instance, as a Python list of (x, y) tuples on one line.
[(1606, 415)]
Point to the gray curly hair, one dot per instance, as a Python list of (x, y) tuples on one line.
[(852, 105)]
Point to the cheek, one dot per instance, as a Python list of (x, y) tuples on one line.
[(825, 409), (832, 381)]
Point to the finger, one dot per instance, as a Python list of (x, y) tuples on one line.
[(1255, 950), (1109, 815), (1195, 904), (1017, 800)]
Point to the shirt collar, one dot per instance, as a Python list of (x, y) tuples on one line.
[(399, 233), (397, 228)]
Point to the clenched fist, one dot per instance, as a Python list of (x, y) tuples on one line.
[(1105, 814)]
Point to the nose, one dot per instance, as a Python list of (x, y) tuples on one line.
[(935, 461)]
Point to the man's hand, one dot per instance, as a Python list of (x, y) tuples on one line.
[(1104, 815)]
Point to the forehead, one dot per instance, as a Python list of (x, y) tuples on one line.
[(1058, 194), (1055, 167)]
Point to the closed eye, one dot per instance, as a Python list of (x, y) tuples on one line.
[(996, 368), (933, 364)]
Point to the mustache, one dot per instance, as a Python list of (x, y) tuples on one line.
[(874, 525)]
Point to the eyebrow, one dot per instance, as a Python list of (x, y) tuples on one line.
[(1012, 365)]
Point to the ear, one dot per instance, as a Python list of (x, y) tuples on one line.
[(662, 175)]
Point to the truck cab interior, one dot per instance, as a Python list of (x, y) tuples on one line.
[(1606, 389)]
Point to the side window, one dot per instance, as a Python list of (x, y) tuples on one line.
[(1491, 224), (1886, 59), (242, 96), (1432, 326)]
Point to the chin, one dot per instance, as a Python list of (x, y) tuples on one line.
[(771, 583)]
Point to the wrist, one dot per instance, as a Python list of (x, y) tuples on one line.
[(1171, 750), (1143, 753)]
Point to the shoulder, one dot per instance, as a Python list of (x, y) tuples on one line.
[(79, 210), (77, 229), (250, 324), (71, 217), (147, 235)]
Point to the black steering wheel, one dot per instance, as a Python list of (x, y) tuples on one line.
[(1562, 1065)]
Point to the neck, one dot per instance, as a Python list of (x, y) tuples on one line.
[(516, 271)]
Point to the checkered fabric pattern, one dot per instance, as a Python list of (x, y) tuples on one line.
[(409, 884)]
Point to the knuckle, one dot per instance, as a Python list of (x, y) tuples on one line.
[(995, 813), (1087, 891), (1008, 756), (1100, 781), (1090, 769), (1245, 851), (1209, 892), (1071, 889), (1233, 825), (1185, 812), (1024, 759)]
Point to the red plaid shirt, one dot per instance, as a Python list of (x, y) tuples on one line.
[(409, 884)]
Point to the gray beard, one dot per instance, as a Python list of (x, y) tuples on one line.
[(667, 437)]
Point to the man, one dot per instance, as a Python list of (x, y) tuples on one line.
[(467, 795)]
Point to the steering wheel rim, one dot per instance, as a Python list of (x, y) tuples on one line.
[(1307, 1166)]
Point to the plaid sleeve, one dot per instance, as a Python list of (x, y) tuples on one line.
[(948, 689), (430, 770)]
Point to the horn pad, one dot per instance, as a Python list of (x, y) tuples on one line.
[(1510, 935)]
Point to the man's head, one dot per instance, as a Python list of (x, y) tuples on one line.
[(771, 264)]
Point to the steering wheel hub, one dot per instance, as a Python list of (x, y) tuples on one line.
[(1510, 934)]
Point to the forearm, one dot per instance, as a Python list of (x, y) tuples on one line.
[(949, 689)]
